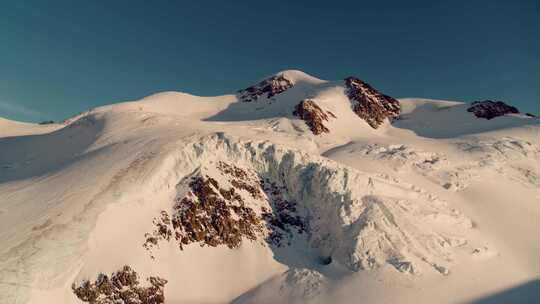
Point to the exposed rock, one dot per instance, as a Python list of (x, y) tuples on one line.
[(530, 115), (122, 287), (209, 215), (283, 220), (213, 214), (163, 231), (313, 115), (369, 104), (490, 109), (269, 87), (47, 122), (241, 179)]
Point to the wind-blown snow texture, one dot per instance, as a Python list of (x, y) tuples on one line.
[(292, 190)]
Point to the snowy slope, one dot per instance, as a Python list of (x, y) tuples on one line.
[(16, 128), (235, 199)]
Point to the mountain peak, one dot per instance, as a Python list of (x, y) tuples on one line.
[(276, 84), (297, 76), (266, 88), (315, 101), (369, 104)]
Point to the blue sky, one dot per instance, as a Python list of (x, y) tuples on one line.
[(59, 58)]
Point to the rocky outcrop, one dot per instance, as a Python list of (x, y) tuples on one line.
[(369, 104), (313, 115), (209, 215), (282, 220), (240, 205), (490, 109), (267, 88), (122, 287)]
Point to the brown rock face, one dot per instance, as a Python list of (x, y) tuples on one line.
[(209, 215), (269, 87), (282, 220), (313, 115), (490, 109), (369, 104), (122, 287), (212, 214)]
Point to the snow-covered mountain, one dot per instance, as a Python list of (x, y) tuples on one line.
[(294, 190)]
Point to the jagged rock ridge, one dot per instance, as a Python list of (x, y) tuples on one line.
[(490, 109), (282, 220), (216, 213), (369, 104), (122, 287), (208, 214), (269, 87), (313, 115)]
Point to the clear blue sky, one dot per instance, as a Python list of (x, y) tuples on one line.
[(58, 58)]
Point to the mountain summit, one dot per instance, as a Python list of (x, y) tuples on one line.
[(366, 102)]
